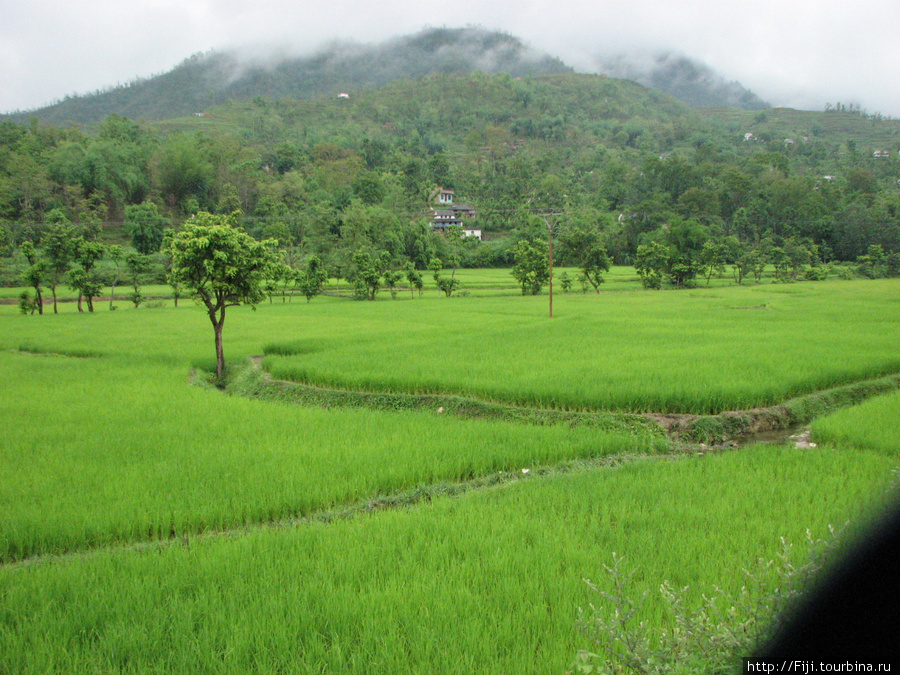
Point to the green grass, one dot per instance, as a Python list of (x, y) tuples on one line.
[(871, 425), (700, 351), (103, 457), (489, 582), (109, 451), (166, 458)]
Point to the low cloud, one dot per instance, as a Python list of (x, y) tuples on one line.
[(802, 54)]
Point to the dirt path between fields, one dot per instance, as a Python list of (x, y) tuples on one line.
[(776, 423)]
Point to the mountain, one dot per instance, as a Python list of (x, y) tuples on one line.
[(691, 82), (205, 80)]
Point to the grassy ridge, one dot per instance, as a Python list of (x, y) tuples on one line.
[(252, 382), (489, 582)]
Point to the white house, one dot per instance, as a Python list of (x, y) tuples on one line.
[(452, 214)]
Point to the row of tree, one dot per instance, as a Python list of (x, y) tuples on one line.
[(70, 254), (677, 254), (684, 251), (214, 260), (329, 180)]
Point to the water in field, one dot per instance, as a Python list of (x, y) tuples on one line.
[(797, 436)]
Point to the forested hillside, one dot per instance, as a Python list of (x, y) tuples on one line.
[(205, 80), (621, 164)]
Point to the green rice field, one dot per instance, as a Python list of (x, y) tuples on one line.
[(852, 427), (151, 523), (167, 458), (700, 351), (490, 582)]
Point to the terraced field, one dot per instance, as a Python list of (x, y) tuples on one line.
[(149, 522)]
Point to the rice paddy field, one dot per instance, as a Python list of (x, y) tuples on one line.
[(699, 351), (152, 524)]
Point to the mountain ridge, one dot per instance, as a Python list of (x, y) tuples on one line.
[(208, 79)]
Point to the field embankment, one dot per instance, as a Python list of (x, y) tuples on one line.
[(115, 464)]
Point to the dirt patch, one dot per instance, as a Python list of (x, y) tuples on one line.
[(748, 425), (732, 425)]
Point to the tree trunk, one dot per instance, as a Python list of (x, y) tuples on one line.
[(53, 290), (220, 353), (218, 321)]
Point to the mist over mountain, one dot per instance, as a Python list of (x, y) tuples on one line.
[(206, 80), (691, 82)]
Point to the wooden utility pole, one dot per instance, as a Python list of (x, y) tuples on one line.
[(550, 241), (548, 219)]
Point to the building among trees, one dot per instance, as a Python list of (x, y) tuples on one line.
[(450, 214)]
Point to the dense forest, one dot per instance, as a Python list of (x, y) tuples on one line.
[(624, 167)]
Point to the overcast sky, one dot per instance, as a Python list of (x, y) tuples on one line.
[(799, 53)]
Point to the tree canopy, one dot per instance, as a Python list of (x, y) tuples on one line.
[(221, 266), (619, 162)]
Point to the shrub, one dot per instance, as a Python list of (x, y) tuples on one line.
[(845, 273), (27, 304), (817, 273), (709, 638)]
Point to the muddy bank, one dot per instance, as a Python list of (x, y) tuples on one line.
[(773, 423), (786, 418)]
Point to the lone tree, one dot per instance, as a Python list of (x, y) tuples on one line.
[(221, 266)]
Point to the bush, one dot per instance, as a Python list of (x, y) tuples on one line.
[(27, 304), (845, 273), (709, 638), (817, 273)]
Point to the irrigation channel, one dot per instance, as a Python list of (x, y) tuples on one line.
[(730, 429), (688, 435)]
